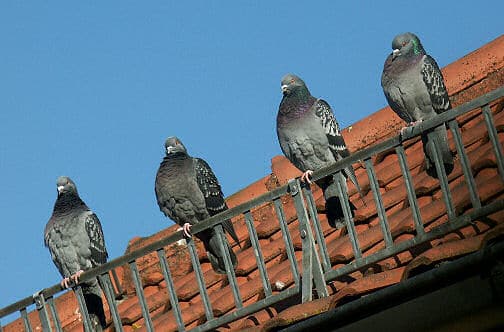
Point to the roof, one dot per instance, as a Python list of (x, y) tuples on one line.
[(469, 77)]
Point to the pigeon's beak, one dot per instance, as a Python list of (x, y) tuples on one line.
[(169, 149), (285, 88), (395, 53), (60, 188)]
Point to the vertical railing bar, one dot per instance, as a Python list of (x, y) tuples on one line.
[(312, 268), (258, 253), (494, 138), (352, 233), (224, 248), (375, 188), (117, 284), (171, 289), (312, 209), (108, 289), (433, 145), (199, 278), (415, 210), (464, 162), (1, 329), (40, 304), (26, 321), (86, 320), (307, 260), (287, 239), (54, 314), (141, 296)]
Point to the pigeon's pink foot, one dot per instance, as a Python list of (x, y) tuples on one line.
[(410, 124), (187, 229), (76, 276), (65, 282), (306, 176)]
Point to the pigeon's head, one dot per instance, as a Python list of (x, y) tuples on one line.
[(292, 84), (406, 44), (174, 145), (65, 185)]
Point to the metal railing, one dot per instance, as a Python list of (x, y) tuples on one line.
[(317, 270)]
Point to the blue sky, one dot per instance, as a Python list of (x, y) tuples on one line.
[(91, 90)]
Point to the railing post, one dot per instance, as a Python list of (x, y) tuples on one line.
[(254, 241), (86, 320), (312, 269), (319, 234), (40, 304), (26, 321), (343, 195), (494, 138), (109, 292), (54, 313), (433, 146)]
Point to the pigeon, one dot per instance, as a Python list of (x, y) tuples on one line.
[(415, 90), (188, 192), (75, 240), (310, 138)]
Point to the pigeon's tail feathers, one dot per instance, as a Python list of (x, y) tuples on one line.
[(350, 173), (228, 227), (94, 305), (216, 257), (334, 212), (441, 142), (333, 204)]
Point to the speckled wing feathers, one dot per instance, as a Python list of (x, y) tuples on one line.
[(433, 79), (211, 190), (94, 230), (331, 128), (336, 141)]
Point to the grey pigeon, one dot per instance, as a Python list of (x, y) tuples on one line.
[(75, 239), (188, 192), (415, 90), (311, 139)]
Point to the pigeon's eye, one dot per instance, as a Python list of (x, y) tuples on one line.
[(404, 43), (292, 80)]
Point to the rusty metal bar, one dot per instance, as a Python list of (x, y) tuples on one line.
[(108, 289), (141, 296), (466, 166), (287, 239), (319, 234), (86, 320), (199, 278), (223, 247), (171, 289), (382, 216), (258, 253)]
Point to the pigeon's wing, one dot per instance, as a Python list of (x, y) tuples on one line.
[(94, 231), (332, 130), (211, 190), (335, 139), (433, 79), (210, 187)]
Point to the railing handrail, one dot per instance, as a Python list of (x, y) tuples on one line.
[(264, 198)]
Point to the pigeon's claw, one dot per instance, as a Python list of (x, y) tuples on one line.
[(187, 229), (306, 176), (75, 277), (65, 282), (410, 124)]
